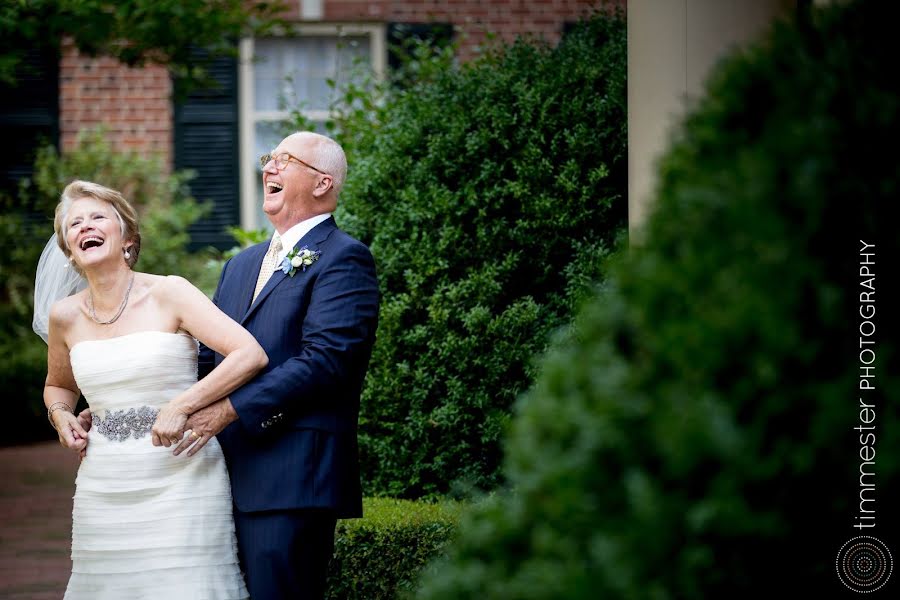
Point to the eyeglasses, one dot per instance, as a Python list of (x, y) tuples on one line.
[(282, 159)]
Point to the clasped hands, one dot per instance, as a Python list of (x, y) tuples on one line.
[(172, 423), (169, 429), (72, 430)]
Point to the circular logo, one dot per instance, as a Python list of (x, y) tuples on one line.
[(864, 564)]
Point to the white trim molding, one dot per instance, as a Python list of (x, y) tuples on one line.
[(249, 116)]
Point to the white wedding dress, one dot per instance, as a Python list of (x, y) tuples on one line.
[(146, 523)]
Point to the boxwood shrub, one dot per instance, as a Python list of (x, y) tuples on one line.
[(697, 434)]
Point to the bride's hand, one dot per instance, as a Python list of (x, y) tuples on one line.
[(169, 427), (71, 433)]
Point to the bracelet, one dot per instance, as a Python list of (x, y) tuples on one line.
[(57, 406)]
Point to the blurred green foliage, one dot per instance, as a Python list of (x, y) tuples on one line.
[(216, 261), (249, 237), (136, 32), (166, 212), (693, 436), (244, 238), (489, 194), (379, 557)]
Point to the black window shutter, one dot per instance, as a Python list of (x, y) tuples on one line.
[(29, 115), (206, 141)]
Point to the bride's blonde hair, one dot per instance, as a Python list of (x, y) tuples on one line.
[(126, 214)]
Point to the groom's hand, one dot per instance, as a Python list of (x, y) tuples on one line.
[(206, 423)]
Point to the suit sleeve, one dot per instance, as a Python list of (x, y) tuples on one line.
[(338, 332), (206, 360)]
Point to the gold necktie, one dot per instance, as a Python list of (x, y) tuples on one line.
[(269, 262)]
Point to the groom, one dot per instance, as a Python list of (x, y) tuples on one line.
[(289, 435)]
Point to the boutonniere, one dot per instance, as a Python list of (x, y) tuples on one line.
[(299, 259)]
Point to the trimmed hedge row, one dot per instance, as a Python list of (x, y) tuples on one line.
[(381, 555)]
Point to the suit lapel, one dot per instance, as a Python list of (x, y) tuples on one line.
[(312, 239)]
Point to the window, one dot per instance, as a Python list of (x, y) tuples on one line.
[(278, 74)]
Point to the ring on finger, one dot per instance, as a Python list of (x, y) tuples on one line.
[(195, 435)]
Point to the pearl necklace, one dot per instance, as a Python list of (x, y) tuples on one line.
[(121, 308)]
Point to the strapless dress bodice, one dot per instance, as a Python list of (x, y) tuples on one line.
[(146, 368)]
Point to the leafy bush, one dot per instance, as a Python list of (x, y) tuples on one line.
[(380, 556), (166, 211), (694, 437), (23, 368), (489, 193), (23, 355), (157, 32)]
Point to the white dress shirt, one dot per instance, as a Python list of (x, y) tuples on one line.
[(290, 237)]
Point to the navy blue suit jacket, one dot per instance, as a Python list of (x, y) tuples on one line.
[(295, 444)]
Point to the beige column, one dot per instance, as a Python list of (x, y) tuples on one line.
[(672, 44)]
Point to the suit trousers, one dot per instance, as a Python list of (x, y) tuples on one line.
[(285, 553)]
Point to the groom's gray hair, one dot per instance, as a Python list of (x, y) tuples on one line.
[(329, 157)]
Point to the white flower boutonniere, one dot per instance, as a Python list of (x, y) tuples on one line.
[(299, 259)]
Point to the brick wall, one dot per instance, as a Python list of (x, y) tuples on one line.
[(134, 104)]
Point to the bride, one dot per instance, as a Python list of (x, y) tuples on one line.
[(146, 522)]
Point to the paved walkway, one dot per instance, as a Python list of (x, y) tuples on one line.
[(36, 487)]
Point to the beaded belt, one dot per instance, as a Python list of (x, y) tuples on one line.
[(119, 425)]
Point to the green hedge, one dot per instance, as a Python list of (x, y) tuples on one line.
[(693, 437), (23, 355), (23, 369), (489, 194), (380, 556)]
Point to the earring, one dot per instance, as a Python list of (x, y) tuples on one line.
[(127, 254)]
